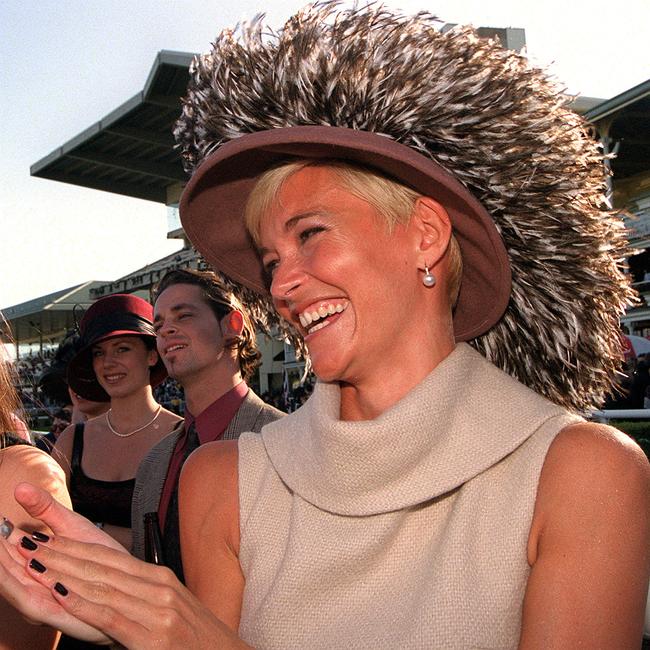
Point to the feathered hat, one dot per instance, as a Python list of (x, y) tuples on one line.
[(457, 106)]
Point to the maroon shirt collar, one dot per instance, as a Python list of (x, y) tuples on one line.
[(212, 421), (210, 425)]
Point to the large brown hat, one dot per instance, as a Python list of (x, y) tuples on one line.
[(396, 93), (120, 314), (226, 178)]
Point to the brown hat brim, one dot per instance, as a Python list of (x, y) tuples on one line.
[(213, 203)]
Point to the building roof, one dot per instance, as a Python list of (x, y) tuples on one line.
[(627, 117), (48, 317), (131, 150), (144, 278)]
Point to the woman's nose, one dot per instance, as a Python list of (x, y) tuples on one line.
[(108, 359), (287, 277)]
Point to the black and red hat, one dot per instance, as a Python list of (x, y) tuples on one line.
[(120, 314)]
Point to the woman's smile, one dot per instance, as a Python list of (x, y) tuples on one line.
[(319, 315)]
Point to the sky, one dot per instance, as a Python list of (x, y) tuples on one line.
[(65, 64)]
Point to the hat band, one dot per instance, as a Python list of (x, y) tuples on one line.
[(123, 322)]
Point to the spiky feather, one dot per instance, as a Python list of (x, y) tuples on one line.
[(501, 126)]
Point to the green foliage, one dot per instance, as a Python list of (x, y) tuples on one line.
[(639, 430)]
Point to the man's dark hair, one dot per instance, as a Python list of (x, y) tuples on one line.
[(222, 301)]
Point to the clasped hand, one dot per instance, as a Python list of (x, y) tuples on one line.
[(84, 583)]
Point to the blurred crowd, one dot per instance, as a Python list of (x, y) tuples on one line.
[(29, 369)]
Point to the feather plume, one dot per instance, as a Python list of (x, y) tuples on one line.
[(501, 126)]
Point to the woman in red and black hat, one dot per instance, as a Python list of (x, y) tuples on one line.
[(117, 362)]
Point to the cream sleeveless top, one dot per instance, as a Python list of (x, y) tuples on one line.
[(408, 531)]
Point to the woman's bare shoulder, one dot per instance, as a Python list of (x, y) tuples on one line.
[(605, 455), (589, 542), (23, 463), (592, 467), (594, 478), (27, 463), (214, 462), (208, 488)]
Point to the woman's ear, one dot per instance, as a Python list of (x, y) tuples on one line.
[(152, 358), (433, 228)]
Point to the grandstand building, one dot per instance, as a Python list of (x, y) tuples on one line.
[(131, 152)]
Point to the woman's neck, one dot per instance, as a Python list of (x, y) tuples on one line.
[(132, 410), (368, 399)]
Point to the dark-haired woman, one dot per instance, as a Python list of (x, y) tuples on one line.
[(117, 362)]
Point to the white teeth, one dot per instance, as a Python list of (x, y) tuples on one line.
[(319, 326), (307, 317), (173, 348)]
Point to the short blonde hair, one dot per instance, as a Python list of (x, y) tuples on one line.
[(392, 200)]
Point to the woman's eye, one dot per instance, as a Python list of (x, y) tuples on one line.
[(310, 232), (97, 353), (269, 267)]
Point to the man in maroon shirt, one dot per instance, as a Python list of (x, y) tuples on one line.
[(207, 343)]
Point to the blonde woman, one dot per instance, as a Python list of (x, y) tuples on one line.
[(426, 212)]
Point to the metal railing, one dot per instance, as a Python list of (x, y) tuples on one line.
[(619, 414)]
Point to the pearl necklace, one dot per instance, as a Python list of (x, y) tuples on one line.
[(126, 435)]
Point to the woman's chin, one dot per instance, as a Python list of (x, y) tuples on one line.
[(327, 369)]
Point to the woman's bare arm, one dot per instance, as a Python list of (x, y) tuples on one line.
[(62, 451), (589, 546), (209, 524)]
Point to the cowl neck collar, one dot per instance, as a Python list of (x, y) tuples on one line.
[(464, 417)]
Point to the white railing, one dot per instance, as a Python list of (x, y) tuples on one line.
[(620, 414)]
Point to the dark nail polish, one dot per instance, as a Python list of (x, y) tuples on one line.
[(37, 566), (27, 543), (40, 537), (60, 589)]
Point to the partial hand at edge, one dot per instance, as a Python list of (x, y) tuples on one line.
[(33, 600), (134, 603), (64, 522)]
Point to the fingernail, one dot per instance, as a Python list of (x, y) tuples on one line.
[(27, 543), (40, 537), (60, 589), (37, 566), (5, 528)]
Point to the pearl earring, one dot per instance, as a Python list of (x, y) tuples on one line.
[(429, 279)]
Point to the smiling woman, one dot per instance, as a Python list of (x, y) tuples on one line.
[(440, 487), (117, 362)]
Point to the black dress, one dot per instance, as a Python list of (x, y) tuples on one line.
[(108, 502)]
